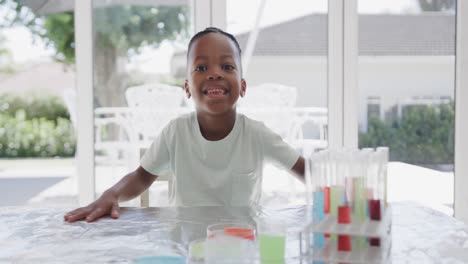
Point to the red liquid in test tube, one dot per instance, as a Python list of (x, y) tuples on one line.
[(375, 214), (344, 217)]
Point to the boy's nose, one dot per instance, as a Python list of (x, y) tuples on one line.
[(215, 76)]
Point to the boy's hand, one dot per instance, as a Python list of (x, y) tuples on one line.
[(107, 204)]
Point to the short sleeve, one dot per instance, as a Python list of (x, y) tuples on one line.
[(156, 159), (276, 150)]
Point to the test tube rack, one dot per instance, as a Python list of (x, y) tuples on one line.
[(349, 218), (361, 232)]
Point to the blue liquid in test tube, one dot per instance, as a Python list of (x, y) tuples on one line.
[(318, 215)]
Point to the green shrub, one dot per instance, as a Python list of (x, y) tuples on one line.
[(37, 126), (424, 135), (35, 106), (36, 137)]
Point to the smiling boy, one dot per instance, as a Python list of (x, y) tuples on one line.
[(215, 154)]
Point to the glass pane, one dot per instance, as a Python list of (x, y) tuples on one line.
[(135, 57), (406, 95), (37, 137), (284, 45)]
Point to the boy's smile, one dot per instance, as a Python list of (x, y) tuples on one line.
[(215, 91), (214, 75)]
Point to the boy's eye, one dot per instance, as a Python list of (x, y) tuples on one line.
[(228, 67), (200, 68)]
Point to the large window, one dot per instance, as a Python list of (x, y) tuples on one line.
[(406, 95), (37, 135), (135, 45), (284, 45), (405, 74)]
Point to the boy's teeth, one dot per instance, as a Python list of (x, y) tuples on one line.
[(215, 91)]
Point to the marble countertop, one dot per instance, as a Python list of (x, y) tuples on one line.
[(39, 235)]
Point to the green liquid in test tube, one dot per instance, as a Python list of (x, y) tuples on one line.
[(336, 199), (360, 199), (272, 248), (360, 213)]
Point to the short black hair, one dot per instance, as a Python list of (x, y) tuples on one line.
[(219, 31)]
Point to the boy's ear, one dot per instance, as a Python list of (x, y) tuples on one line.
[(186, 88), (243, 87)]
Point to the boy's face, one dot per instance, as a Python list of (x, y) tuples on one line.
[(214, 78)]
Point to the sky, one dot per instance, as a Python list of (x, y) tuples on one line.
[(240, 19), (20, 43)]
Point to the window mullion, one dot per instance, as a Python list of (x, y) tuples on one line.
[(335, 73), (461, 113), (84, 83)]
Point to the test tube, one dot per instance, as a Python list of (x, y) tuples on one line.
[(340, 170), (370, 172), (318, 211), (383, 154), (347, 162), (325, 180), (358, 168), (344, 217), (359, 172), (310, 184), (380, 162), (337, 190), (344, 208), (376, 203)]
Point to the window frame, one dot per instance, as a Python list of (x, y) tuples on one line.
[(85, 117), (342, 86), (461, 113)]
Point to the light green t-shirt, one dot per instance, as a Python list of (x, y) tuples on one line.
[(212, 173)]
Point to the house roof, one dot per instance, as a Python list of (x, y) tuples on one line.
[(379, 35)]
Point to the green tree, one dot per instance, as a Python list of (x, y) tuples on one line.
[(424, 135), (437, 5), (119, 32)]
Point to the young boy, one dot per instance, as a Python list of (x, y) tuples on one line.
[(215, 154)]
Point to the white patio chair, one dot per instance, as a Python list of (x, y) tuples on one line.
[(270, 95), (152, 107), (273, 104), (116, 150)]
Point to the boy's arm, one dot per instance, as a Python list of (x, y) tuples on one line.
[(299, 170), (129, 187), (133, 184)]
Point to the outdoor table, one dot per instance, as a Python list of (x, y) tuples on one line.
[(40, 235)]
